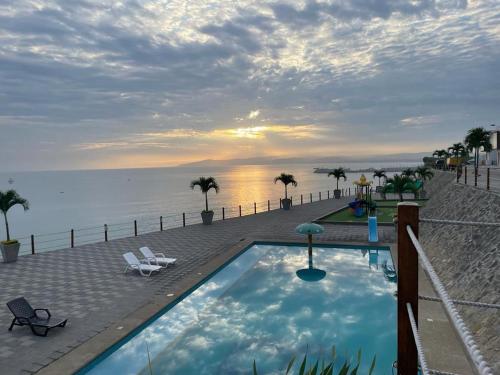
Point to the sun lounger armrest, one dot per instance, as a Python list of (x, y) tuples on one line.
[(23, 320), (160, 255), (146, 261), (46, 311)]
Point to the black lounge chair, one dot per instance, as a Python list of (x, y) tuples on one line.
[(25, 315)]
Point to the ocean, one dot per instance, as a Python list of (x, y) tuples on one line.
[(85, 200)]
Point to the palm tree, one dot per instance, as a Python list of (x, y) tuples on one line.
[(457, 150), (476, 139), (7, 200), (286, 179), (205, 184), (441, 155), (338, 173), (399, 185), (379, 173), (408, 172), (423, 173)]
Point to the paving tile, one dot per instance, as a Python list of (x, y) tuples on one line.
[(87, 283)]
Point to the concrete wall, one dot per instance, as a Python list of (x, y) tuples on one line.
[(467, 259)]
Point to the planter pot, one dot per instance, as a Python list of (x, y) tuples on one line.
[(10, 251), (286, 203), (336, 194), (207, 217)]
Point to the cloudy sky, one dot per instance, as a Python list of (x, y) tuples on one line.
[(138, 83)]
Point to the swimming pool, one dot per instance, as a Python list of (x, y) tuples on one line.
[(256, 307)]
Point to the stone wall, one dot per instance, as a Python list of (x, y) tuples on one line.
[(467, 259)]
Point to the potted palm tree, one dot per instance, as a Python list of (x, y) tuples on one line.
[(476, 139), (10, 248), (286, 179), (338, 173), (206, 184), (423, 173), (380, 173)]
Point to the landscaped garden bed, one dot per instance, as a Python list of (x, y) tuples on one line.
[(385, 211)]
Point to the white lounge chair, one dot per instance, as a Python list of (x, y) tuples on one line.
[(145, 269), (158, 258)]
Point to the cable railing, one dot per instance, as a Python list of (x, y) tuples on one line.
[(410, 253), (147, 224)]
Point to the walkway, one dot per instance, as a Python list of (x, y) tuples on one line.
[(87, 283)]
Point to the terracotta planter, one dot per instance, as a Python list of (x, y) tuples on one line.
[(207, 217), (337, 193), (10, 251), (286, 203)]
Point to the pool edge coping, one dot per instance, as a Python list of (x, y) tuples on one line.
[(84, 354)]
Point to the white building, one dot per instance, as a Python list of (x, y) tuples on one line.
[(493, 157)]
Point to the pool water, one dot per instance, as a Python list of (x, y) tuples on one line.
[(257, 308)]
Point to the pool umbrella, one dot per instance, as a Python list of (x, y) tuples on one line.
[(311, 273)]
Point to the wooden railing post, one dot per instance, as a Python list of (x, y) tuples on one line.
[(311, 197), (135, 228), (291, 201), (105, 232), (301, 199), (320, 195), (281, 204), (488, 179), (407, 287), (72, 238), (328, 194), (465, 175), (475, 176), (240, 209), (268, 205), (32, 244), (183, 219), (161, 223), (349, 191), (254, 207)]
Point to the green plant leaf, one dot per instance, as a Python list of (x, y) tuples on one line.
[(372, 365), (344, 369), (303, 365), (290, 364), (314, 370)]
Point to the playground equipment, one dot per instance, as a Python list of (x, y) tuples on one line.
[(356, 207), (364, 185)]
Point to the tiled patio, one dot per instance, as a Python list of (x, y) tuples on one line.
[(87, 283)]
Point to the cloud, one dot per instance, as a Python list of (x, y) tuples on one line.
[(91, 73)]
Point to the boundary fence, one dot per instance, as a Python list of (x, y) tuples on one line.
[(485, 178), (410, 252), (72, 237)]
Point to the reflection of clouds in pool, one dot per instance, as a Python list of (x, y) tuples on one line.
[(269, 314)]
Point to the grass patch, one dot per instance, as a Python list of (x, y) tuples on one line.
[(386, 209), (345, 216)]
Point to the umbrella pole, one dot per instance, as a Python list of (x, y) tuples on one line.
[(310, 252)]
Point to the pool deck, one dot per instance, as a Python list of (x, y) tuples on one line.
[(87, 285)]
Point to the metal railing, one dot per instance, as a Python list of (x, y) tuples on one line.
[(70, 238), (485, 178), (410, 252)]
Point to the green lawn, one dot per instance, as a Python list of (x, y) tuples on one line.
[(386, 209), (384, 215)]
